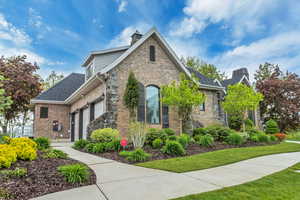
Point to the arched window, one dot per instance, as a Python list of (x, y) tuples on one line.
[(152, 105)]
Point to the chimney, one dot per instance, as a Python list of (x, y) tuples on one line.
[(239, 73), (135, 37)]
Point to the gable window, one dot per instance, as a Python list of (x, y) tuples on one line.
[(44, 112), (202, 106), (152, 105), (152, 53), (89, 71)]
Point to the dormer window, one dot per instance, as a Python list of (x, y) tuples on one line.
[(89, 71), (152, 53)]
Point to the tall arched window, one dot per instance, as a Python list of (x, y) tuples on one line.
[(152, 105)]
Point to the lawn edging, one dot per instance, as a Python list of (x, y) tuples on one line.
[(218, 158)]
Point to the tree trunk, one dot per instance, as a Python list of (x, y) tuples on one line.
[(24, 122)]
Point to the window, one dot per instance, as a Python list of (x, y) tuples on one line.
[(44, 112), (202, 106), (152, 53), (99, 109), (89, 71), (152, 105)]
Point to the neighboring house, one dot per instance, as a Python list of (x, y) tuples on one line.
[(81, 103)]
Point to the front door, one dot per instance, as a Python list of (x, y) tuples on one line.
[(72, 127)]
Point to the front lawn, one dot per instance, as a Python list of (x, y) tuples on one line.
[(279, 186), (294, 136), (218, 158)]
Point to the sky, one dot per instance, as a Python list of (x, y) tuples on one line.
[(230, 34)]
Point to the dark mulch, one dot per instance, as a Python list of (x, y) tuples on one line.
[(42, 178), (192, 149)]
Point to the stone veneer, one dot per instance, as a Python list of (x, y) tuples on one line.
[(43, 126)]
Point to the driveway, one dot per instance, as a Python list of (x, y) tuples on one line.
[(119, 181)]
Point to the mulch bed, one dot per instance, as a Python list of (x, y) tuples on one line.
[(42, 178), (191, 150)]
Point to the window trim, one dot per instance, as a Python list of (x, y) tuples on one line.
[(152, 56), (159, 105), (42, 113)]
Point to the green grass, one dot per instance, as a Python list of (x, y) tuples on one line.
[(279, 186), (218, 158), (294, 136)]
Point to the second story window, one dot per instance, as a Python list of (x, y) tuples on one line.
[(152, 53), (44, 112)]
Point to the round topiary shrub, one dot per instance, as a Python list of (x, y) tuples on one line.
[(154, 133), (173, 148), (105, 135), (206, 140), (272, 127), (157, 143), (235, 139)]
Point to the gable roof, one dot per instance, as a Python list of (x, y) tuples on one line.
[(203, 79), (234, 80), (62, 90)]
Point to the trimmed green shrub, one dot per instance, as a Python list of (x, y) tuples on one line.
[(254, 131), (272, 127), (273, 138), (206, 140), (184, 140), (199, 131), (74, 173), (235, 139), (172, 138), (235, 122), (173, 148), (55, 153), (42, 143), (105, 135), (169, 131), (99, 148), (154, 133), (220, 133), (113, 145), (157, 143), (89, 147), (264, 138), (80, 144), (13, 173), (138, 155), (254, 138)]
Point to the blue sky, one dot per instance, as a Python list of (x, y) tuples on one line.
[(58, 34)]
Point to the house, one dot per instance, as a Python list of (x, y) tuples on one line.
[(81, 103)]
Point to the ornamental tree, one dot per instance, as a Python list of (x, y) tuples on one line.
[(21, 84), (239, 99), (183, 96), (5, 101), (131, 96)]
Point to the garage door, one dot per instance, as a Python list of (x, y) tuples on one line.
[(99, 109), (85, 123)]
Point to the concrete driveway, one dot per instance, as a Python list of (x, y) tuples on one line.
[(119, 181)]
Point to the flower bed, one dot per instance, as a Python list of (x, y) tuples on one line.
[(36, 175)]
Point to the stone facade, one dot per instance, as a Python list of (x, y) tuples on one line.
[(43, 127)]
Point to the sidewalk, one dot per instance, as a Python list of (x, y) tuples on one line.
[(119, 181)]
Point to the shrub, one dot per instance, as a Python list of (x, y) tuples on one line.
[(8, 155), (199, 131), (25, 148), (99, 148), (235, 139), (272, 127), (138, 155), (113, 145), (172, 138), (206, 140), (105, 135), (184, 140), (280, 136), (42, 143), (249, 124), (15, 173), (169, 131), (173, 148), (74, 173), (157, 143), (55, 153), (254, 138), (22, 141), (235, 122), (80, 144), (89, 147), (3, 138), (154, 133), (273, 138), (137, 134), (264, 138), (220, 133), (253, 131)]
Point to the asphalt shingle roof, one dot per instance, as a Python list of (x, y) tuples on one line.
[(231, 81), (63, 89), (203, 79)]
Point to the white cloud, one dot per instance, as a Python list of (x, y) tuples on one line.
[(124, 37), (34, 18), (243, 15), (122, 5)]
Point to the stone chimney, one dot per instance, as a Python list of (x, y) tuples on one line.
[(239, 73), (135, 37)]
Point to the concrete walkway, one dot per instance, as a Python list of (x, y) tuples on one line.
[(118, 181)]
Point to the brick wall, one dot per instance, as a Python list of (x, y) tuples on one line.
[(43, 126)]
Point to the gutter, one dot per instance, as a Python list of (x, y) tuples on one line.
[(35, 101)]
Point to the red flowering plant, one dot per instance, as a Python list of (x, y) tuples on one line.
[(280, 136)]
